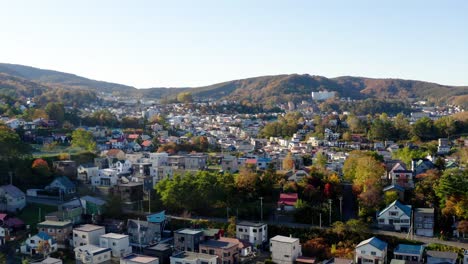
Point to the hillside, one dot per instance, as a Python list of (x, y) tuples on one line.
[(61, 79), (267, 90)]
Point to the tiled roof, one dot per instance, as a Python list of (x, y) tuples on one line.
[(405, 208), (375, 242), (408, 249)]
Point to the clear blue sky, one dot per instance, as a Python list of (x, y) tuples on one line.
[(197, 42)]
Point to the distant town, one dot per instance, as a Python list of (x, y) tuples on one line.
[(193, 181)]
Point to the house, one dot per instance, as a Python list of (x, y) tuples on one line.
[(287, 201), (227, 252), (12, 198), (438, 257), (3, 235), (159, 159), (465, 256), (92, 254), (105, 178), (372, 250), (195, 161), (118, 243), (443, 146), (41, 243), (401, 176), (411, 254), (162, 251), (60, 231), (396, 216), (86, 171), (87, 235), (139, 259), (229, 163), (66, 168), (187, 257), (285, 250), (123, 166), (298, 175), (131, 193), (143, 233), (254, 233), (188, 239), (48, 260), (244, 247), (419, 166), (63, 184), (424, 222), (92, 205)]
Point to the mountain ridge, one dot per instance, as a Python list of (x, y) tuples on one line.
[(269, 90)]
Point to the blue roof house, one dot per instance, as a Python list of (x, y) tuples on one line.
[(411, 254), (65, 185), (372, 250), (396, 216)]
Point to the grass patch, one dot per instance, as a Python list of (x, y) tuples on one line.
[(30, 214)]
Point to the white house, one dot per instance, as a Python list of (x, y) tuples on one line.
[(91, 254), (401, 176), (285, 250), (123, 166), (396, 216), (118, 243), (105, 178), (48, 260), (86, 172), (12, 198), (3, 234), (139, 259), (372, 250), (255, 233), (188, 257), (41, 243), (87, 235)]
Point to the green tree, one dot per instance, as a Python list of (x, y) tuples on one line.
[(56, 111), (445, 126), (424, 129), (407, 154), (452, 191), (184, 97), (83, 139), (390, 196), (231, 229)]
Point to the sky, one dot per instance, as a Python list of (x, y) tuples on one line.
[(200, 42)]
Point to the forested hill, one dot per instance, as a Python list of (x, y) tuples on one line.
[(61, 79), (266, 90)]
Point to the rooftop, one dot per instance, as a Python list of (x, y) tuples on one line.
[(218, 244), (55, 223), (140, 258), (252, 224), (188, 231), (88, 228), (284, 239), (408, 249), (193, 255), (94, 250), (114, 236), (375, 242), (441, 254)]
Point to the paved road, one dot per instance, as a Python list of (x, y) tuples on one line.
[(425, 240)]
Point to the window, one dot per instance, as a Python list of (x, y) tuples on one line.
[(83, 236), (381, 221), (76, 235), (286, 256), (241, 230), (373, 253), (32, 241), (113, 243), (393, 213), (254, 230), (203, 251), (363, 252), (404, 221), (203, 262), (211, 251)]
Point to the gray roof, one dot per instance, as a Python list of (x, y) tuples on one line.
[(13, 191), (441, 254), (65, 182), (93, 200), (253, 224)]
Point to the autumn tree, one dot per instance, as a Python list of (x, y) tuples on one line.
[(452, 191), (424, 193), (83, 139), (316, 247), (231, 229), (41, 168), (288, 162), (184, 97)]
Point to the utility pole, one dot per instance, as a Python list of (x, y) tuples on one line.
[(149, 201), (341, 207), (320, 220), (329, 203), (261, 209)]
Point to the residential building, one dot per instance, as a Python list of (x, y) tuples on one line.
[(87, 235), (411, 254), (118, 243), (285, 250), (243, 246), (229, 163), (144, 233), (287, 201), (92, 254), (41, 243), (12, 198), (227, 252), (3, 235), (188, 239), (86, 171), (105, 178), (187, 257), (131, 193), (401, 176), (195, 161), (372, 250), (424, 222), (255, 233), (139, 259), (60, 231), (465, 256), (162, 251), (443, 146), (396, 216), (63, 184), (438, 257), (92, 205)]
